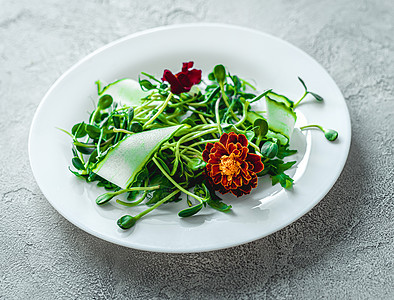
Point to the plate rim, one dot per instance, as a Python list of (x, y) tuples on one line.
[(124, 242)]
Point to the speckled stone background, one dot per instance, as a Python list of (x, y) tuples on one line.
[(342, 249)]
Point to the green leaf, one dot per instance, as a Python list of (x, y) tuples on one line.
[(79, 130), (136, 127), (130, 114), (187, 212), (316, 96), (211, 76), (330, 134), (146, 85), (163, 164), (260, 128), (303, 83), (219, 205), (284, 180), (116, 120), (196, 164), (93, 131), (85, 150), (269, 149), (237, 82), (77, 174), (105, 101), (77, 163), (285, 166), (220, 73), (284, 151), (93, 157), (104, 198), (126, 222)]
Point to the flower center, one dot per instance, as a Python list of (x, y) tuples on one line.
[(229, 165)]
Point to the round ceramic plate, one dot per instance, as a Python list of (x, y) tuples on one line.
[(263, 59)]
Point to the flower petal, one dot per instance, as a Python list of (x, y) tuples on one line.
[(186, 66), (194, 76), (176, 87), (223, 139), (242, 140)]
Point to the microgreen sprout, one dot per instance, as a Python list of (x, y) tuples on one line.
[(316, 96), (330, 134)]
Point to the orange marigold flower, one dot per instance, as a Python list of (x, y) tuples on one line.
[(230, 166)]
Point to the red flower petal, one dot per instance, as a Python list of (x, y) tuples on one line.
[(184, 80), (242, 140), (194, 76), (232, 138), (256, 161), (223, 139), (186, 66), (176, 87)]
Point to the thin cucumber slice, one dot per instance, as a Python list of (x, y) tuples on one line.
[(280, 99), (125, 92), (281, 118), (125, 161)]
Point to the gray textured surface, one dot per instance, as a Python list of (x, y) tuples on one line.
[(343, 248)]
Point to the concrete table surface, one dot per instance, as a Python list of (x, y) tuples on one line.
[(342, 249)]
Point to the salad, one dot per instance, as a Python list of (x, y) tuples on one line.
[(154, 139)]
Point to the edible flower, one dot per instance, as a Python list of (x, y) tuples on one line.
[(230, 167), (183, 81)]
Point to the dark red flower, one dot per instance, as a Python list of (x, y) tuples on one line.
[(183, 81), (230, 166)]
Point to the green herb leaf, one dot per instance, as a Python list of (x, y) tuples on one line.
[(104, 198), (269, 149), (330, 134), (219, 205), (130, 114), (136, 127), (260, 128), (284, 180), (77, 163), (187, 212), (105, 101), (303, 83), (146, 85), (316, 96), (79, 130), (220, 74), (284, 151), (93, 131), (127, 222)]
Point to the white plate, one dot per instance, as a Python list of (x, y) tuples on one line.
[(267, 61)]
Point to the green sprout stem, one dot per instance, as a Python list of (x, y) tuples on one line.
[(218, 117), (163, 106), (128, 221), (330, 134), (312, 126), (298, 102)]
